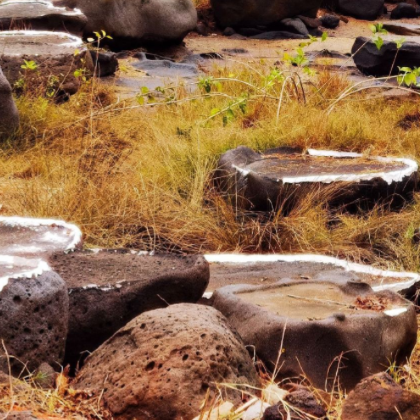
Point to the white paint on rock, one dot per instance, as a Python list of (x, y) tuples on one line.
[(410, 167), (73, 41), (41, 268), (75, 233), (410, 278), (47, 4), (395, 311)]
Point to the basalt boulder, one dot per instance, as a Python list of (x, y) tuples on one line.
[(9, 115), (250, 13), (326, 331), (359, 9), (162, 364), (384, 61), (109, 288), (380, 398), (137, 22), (34, 318)]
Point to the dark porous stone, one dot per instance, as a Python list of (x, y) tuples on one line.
[(330, 21), (251, 13), (34, 321), (162, 364), (404, 11), (106, 63), (9, 116), (360, 9), (325, 328), (373, 62), (380, 398), (301, 402), (107, 289)]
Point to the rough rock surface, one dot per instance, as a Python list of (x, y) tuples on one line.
[(107, 289), (326, 324), (106, 63), (373, 62), (161, 365), (9, 116), (250, 13), (34, 302), (53, 54), (380, 398), (138, 21), (404, 10), (40, 15), (301, 402), (278, 177), (34, 321), (360, 9)]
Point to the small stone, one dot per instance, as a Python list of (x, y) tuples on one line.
[(330, 21), (229, 31), (378, 397), (404, 10)]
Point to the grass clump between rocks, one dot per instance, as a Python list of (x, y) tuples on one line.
[(138, 174)]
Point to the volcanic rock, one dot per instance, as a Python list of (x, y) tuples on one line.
[(321, 329), (162, 364), (109, 288), (276, 179)]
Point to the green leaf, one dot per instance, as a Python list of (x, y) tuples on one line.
[(90, 40), (140, 100), (144, 90), (214, 111), (324, 36)]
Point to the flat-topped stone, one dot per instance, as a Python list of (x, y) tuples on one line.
[(267, 269), (57, 56), (108, 288), (277, 177), (326, 331), (30, 237), (40, 15)]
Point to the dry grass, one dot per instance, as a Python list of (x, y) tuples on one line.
[(140, 176)]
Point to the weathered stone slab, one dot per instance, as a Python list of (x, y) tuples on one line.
[(108, 288), (56, 56), (327, 331), (276, 178), (40, 15)]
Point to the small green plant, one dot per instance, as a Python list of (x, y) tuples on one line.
[(29, 65), (408, 76), (377, 29)]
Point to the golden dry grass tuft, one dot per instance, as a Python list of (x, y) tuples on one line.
[(140, 175)]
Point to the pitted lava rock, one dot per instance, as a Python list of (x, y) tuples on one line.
[(34, 321), (161, 365)]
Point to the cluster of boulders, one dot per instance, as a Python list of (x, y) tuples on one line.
[(138, 332)]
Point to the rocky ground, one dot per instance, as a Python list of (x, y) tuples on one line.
[(247, 196)]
